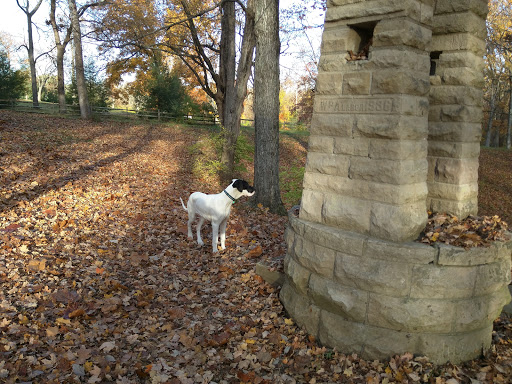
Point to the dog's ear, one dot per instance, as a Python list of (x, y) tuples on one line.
[(238, 184)]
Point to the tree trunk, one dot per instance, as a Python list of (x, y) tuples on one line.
[(61, 49), (492, 108), (233, 80), (266, 106), (83, 100), (30, 49), (61, 88), (509, 124)]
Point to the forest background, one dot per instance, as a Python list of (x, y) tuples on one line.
[(153, 79)]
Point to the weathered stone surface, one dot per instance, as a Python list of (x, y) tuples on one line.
[(376, 276), (476, 313), (332, 238), (464, 76), (300, 308), (398, 172), (272, 277), (327, 183), (456, 192), (459, 42), (311, 205), (455, 113), (452, 6), (391, 127), (381, 343), (450, 255), (398, 59), (456, 94), (396, 32), (317, 258), (453, 149), (357, 83), (461, 208), (410, 315), (491, 277), (455, 348), (298, 276), (453, 171), (413, 253), (348, 336), (324, 144), (398, 222), (454, 131), (332, 125), (349, 303), (333, 62), (339, 40), (397, 149), (461, 59), (433, 282), (366, 190), (460, 22), (328, 164), (329, 83), (348, 213), (400, 81), (348, 146)]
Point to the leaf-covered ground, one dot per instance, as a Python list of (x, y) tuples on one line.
[(98, 282)]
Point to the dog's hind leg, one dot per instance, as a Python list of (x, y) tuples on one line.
[(199, 225), (191, 217), (222, 228)]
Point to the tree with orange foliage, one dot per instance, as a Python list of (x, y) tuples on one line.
[(203, 35)]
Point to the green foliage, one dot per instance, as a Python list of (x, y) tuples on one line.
[(163, 91), (97, 89), (207, 153), (291, 181), (12, 83)]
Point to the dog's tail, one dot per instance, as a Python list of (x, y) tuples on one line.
[(185, 208)]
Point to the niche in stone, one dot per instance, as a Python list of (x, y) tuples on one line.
[(434, 61), (363, 40)]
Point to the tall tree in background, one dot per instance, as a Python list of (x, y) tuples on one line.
[(498, 71), (83, 99), (190, 31), (266, 105), (25, 7), (60, 45)]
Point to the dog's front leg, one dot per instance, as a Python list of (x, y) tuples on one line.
[(199, 225), (223, 226), (215, 236)]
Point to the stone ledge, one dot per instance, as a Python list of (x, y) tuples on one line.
[(385, 298)]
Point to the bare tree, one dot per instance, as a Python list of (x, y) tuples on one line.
[(83, 99), (60, 44), (266, 105), (25, 7)]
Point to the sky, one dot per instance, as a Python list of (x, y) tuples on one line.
[(13, 22)]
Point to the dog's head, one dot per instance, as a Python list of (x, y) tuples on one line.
[(243, 187)]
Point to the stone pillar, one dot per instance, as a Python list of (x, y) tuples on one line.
[(352, 277), (366, 167), (458, 47)]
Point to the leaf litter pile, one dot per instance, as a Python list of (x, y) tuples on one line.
[(99, 283), (474, 231)]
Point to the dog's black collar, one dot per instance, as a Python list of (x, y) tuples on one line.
[(231, 197)]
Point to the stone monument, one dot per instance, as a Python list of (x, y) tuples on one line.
[(395, 132)]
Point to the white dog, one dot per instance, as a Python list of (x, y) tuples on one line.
[(215, 208)]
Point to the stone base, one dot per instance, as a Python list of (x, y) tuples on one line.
[(363, 295)]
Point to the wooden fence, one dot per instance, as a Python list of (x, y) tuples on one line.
[(119, 113), (104, 112)]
